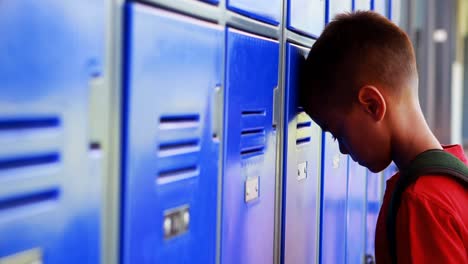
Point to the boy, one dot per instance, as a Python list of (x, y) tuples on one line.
[(360, 83)]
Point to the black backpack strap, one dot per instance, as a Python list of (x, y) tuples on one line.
[(431, 162)]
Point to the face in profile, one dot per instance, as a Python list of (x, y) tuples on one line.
[(357, 134)]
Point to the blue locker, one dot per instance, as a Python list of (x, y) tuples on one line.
[(374, 197), (301, 188), (362, 5), (170, 143), (381, 7), (335, 7), (268, 11), (249, 156), (49, 200), (306, 16), (334, 195), (356, 210)]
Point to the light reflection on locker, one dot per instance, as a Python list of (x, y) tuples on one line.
[(249, 148), (302, 171)]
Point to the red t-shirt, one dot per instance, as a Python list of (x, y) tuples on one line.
[(432, 222)]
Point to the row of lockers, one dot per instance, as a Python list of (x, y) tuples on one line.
[(325, 200), (175, 140), (306, 17)]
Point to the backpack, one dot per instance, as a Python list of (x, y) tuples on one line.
[(431, 162)]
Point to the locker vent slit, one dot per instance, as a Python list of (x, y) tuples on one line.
[(174, 148), (253, 112), (253, 150), (33, 160), (50, 195), (253, 131), (179, 121), (303, 125), (28, 123), (301, 141), (178, 173)]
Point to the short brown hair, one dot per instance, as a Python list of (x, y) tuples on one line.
[(356, 49)]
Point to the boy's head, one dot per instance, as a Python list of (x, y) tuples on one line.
[(358, 75)]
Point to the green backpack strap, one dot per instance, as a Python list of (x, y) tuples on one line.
[(431, 162)]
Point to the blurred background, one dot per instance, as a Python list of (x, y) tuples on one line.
[(439, 34), (167, 131)]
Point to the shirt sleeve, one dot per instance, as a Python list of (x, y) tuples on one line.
[(427, 233)]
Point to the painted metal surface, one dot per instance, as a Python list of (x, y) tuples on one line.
[(335, 7), (362, 4), (301, 183), (356, 213), (306, 16), (268, 11), (334, 195), (250, 148), (49, 193), (171, 149)]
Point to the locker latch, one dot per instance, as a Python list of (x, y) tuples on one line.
[(369, 259), (176, 221), (336, 161), (302, 171), (251, 189)]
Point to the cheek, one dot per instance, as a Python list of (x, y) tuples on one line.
[(375, 148), (363, 138)]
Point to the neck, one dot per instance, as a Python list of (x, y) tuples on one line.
[(413, 137)]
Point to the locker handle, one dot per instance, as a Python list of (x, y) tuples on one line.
[(276, 107), (97, 112), (216, 112)]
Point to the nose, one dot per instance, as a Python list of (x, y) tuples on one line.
[(343, 149)]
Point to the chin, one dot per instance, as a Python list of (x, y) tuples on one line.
[(376, 168)]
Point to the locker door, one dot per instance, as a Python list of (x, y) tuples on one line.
[(362, 4), (336, 7), (381, 7), (356, 213), (250, 149), (49, 202), (306, 16), (334, 192), (301, 187), (170, 145), (268, 11), (374, 191)]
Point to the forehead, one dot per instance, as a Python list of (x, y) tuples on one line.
[(324, 116)]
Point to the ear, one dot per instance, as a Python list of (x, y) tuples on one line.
[(372, 102)]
